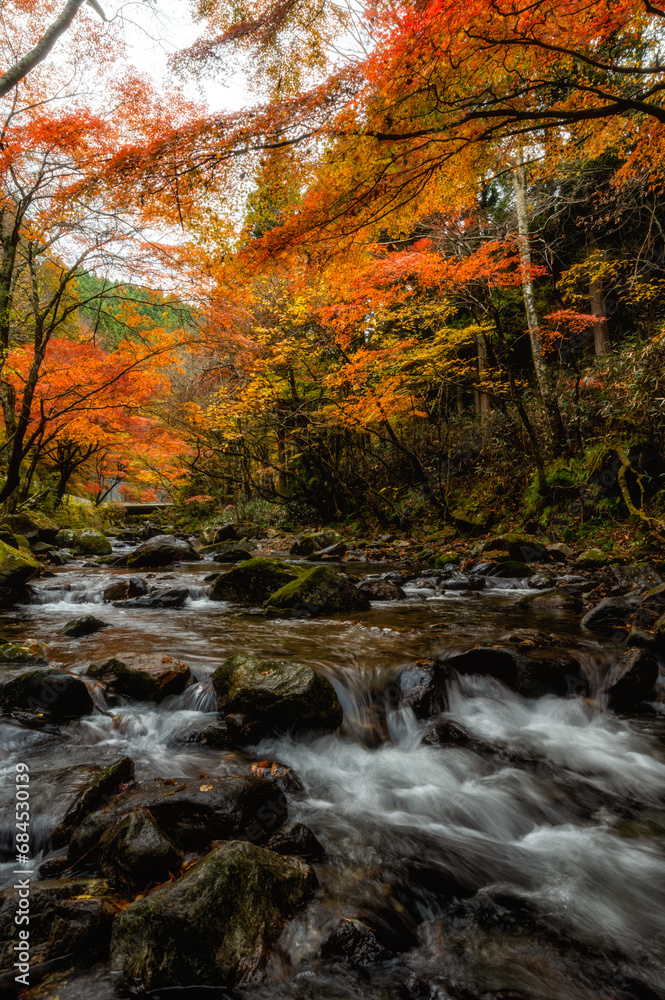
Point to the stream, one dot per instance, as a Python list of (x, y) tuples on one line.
[(529, 863)]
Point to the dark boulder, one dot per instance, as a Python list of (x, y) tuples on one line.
[(63, 696), (116, 591), (279, 692), (634, 681), (422, 688), (521, 548), (296, 838), (244, 730), (192, 813), (305, 545), (446, 734), (225, 533), (356, 941), (172, 598), (148, 677), (530, 676), (330, 552), (137, 850), (213, 926), (462, 581), (232, 554), (215, 736), (77, 628), (557, 600), (318, 591), (67, 917), (162, 550), (253, 582), (612, 612), (510, 569), (651, 608), (382, 590), (97, 793)]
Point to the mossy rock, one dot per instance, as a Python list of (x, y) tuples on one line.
[(520, 548), (445, 559), (471, 522), (213, 926), (85, 542), (253, 581), (16, 567), (319, 591), (12, 653), (64, 696), (77, 628), (149, 677), (557, 600), (511, 569), (280, 692), (93, 796), (33, 524), (592, 558), (305, 545)]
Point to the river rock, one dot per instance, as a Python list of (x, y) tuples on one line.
[(304, 545), (612, 612), (213, 926), (215, 736), (67, 917), (232, 554), (77, 628), (318, 591), (84, 542), (253, 581), (173, 598), (635, 680), (116, 591), (97, 793), (278, 692), (382, 590), (529, 676), (357, 942), (592, 558), (11, 653), (638, 576), (33, 525), (511, 569), (224, 533), (63, 695), (192, 813), (446, 734), (16, 567), (651, 608), (422, 688), (330, 552), (138, 850), (551, 600), (520, 548), (296, 838), (531, 638), (249, 529), (560, 552), (162, 550), (145, 677)]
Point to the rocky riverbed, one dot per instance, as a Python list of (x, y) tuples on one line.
[(334, 771)]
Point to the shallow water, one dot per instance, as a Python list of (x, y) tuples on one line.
[(528, 864)]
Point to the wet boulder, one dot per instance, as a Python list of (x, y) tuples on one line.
[(230, 553), (462, 581), (446, 734), (67, 917), (10, 652), (551, 672), (17, 566), (541, 581), (612, 612), (296, 838), (547, 600), (355, 941), (253, 582), (592, 558), (510, 569), (145, 677), (213, 926), (192, 813), (278, 692), (305, 545), (77, 628), (224, 533), (634, 681), (32, 525), (173, 598), (244, 730), (422, 688), (531, 638), (84, 542), (214, 736), (520, 548), (138, 851), (318, 591), (651, 608), (162, 550), (637, 576), (63, 696), (116, 591), (331, 552), (96, 793), (382, 590), (560, 552)]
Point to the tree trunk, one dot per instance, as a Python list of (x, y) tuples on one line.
[(483, 398), (540, 367)]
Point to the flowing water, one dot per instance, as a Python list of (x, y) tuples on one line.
[(527, 864)]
